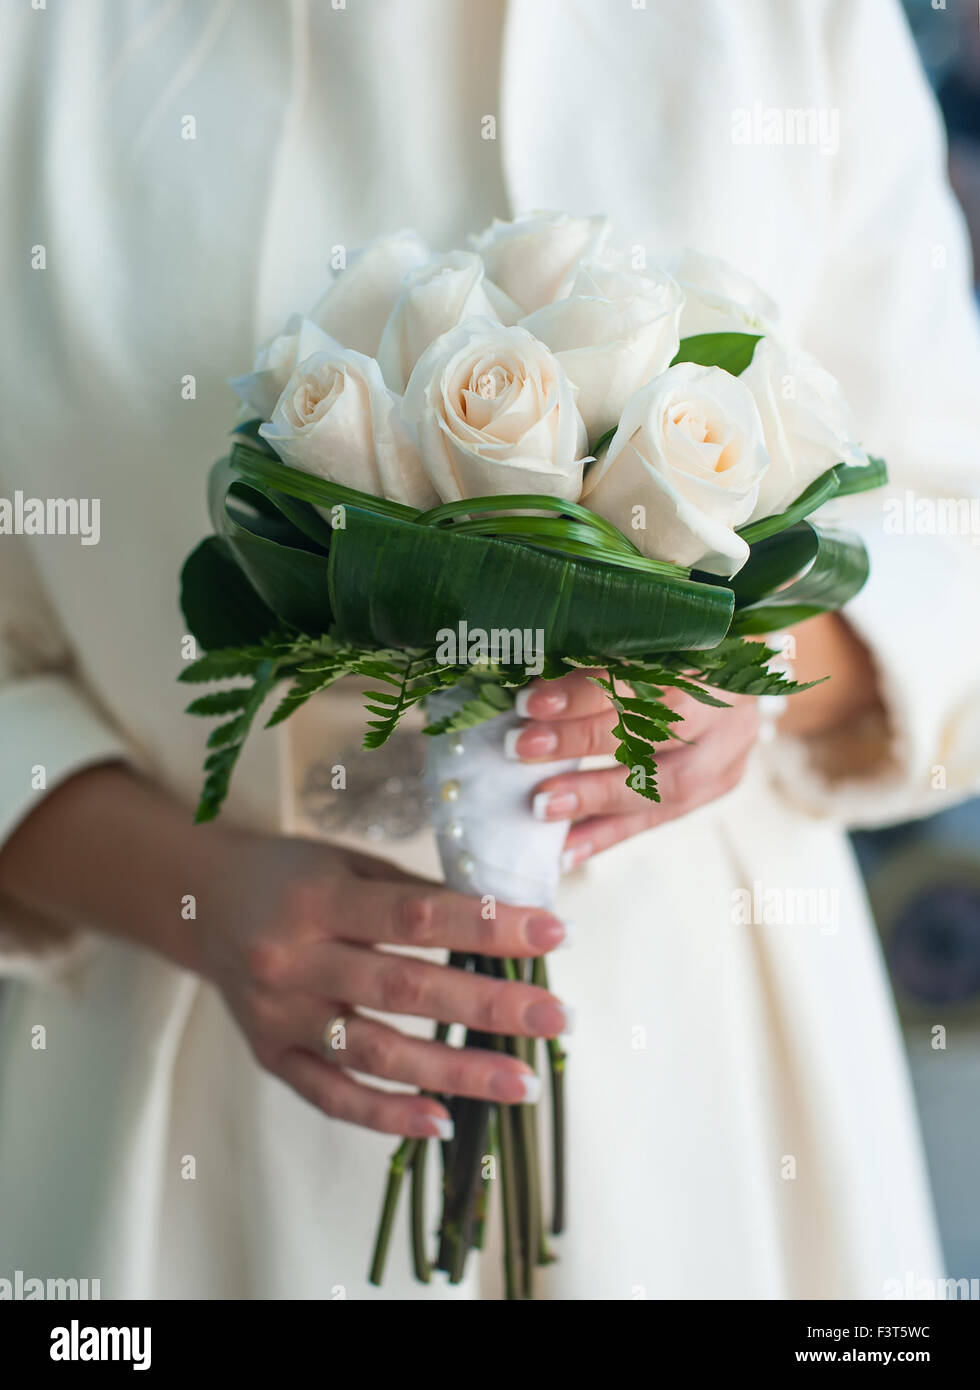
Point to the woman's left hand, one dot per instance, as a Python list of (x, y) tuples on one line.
[(572, 718)]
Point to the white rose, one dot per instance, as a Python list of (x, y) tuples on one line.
[(684, 468), (495, 413), (275, 363), (337, 419), (720, 299), (435, 298), (359, 300), (612, 334), (806, 420), (534, 259)]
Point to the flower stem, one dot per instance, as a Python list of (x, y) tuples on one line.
[(556, 1068), (420, 1259), (400, 1161), (508, 1188)]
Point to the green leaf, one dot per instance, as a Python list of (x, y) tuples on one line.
[(220, 702), (855, 478), (285, 567), (269, 473), (219, 665), (836, 572), (306, 684), (603, 440), (489, 700), (840, 481), (230, 739), (220, 606), (731, 351), (249, 433), (395, 584), (819, 492)]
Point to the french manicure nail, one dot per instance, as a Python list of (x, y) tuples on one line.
[(575, 856), (433, 1127), (547, 933), (548, 1018), (516, 1088), (554, 805), (529, 743), (531, 701)]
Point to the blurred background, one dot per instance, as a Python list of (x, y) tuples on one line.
[(924, 878)]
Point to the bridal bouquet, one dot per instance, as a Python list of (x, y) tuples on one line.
[(463, 471)]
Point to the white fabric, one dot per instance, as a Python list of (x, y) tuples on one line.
[(489, 842), (708, 1053)]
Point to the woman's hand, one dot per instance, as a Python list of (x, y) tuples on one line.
[(572, 718), (293, 950), (288, 930)]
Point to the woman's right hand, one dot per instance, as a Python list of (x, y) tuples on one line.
[(288, 930), (294, 948)]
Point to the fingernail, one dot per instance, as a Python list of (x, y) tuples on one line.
[(547, 933), (529, 743), (516, 1088), (548, 1018), (433, 1127), (572, 857), (442, 1126), (532, 700), (554, 805)]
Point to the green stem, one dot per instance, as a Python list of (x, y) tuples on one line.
[(420, 1259), (508, 1188), (556, 1063), (556, 1070), (400, 1161), (531, 1206)]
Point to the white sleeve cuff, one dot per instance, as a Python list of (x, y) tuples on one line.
[(916, 616), (48, 732)]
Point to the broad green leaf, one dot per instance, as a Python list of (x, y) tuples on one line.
[(396, 584), (862, 479), (731, 351), (838, 571), (820, 491), (220, 606), (263, 471), (284, 566)]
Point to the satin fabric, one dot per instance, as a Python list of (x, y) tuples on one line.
[(740, 1116)]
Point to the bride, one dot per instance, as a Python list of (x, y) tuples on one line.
[(172, 1121)]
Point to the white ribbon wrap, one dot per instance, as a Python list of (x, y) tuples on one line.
[(490, 844)]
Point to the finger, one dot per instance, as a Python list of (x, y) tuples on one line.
[(366, 1045), (410, 912), (572, 738), (397, 984), (590, 837), (339, 1096), (683, 774), (593, 736), (572, 697)]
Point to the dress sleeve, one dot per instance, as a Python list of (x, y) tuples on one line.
[(892, 314), (49, 730)]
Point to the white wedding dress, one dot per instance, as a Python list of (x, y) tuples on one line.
[(740, 1117)]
